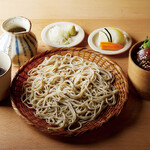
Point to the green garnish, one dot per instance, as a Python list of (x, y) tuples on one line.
[(146, 43), (72, 31)]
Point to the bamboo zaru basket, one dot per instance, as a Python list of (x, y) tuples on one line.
[(27, 114)]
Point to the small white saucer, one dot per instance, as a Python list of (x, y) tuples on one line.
[(75, 39), (93, 41)]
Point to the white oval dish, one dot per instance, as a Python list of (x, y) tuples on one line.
[(75, 39), (93, 41)]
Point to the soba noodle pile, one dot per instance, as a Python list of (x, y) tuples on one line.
[(68, 91)]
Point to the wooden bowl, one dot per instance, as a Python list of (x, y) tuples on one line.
[(139, 77), (26, 113)]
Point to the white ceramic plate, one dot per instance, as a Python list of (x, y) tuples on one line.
[(75, 39), (93, 41)]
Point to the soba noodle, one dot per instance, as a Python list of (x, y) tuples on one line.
[(68, 91)]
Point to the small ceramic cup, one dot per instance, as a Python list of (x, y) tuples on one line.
[(17, 40), (5, 75), (139, 77)]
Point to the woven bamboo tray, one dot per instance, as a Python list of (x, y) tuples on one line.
[(110, 112)]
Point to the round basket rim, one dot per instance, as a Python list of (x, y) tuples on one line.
[(76, 132)]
